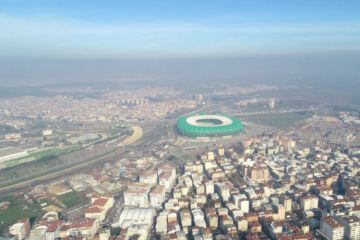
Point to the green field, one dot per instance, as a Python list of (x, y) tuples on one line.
[(18, 209), (54, 152), (278, 120), (72, 199)]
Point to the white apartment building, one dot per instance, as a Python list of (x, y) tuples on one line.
[(167, 179), (137, 195), (332, 228), (352, 227), (157, 196), (309, 202), (149, 177)]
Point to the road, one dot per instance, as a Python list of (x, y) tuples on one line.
[(148, 139)]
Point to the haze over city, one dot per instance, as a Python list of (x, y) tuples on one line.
[(62, 41), (202, 120)]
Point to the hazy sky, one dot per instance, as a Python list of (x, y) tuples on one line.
[(171, 29), (49, 41)]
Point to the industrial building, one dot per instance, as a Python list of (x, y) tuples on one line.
[(136, 216)]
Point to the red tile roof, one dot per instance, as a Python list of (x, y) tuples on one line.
[(100, 202), (83, 223), (94, 209)]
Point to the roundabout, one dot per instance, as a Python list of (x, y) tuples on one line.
[(208, 125)]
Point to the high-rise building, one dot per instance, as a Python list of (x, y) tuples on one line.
[(331, 228), (287, 202), (309, 202), (157, 196), (272, 103), (352, 227)]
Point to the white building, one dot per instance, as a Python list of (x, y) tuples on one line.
[(161, 223), (332, 228), (18, 230), (136, 216), (37, 234), (164, 167), (104, 234), (157, 196), (223, 190), (149, 177), (99, 208), (47, 132), (287, 202), (185, 217), (198, 217), (209, 164), (137, 195), (209, 187), (309, 202), (211, 156), (167, 179), (242, 202), (352, 227)]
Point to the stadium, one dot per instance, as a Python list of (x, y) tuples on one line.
[(204, 125)]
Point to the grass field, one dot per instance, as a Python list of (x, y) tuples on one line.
[(72, 199), (278, 120), (18, 209), (54, 152)]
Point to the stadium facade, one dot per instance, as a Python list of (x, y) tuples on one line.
[(206, 125)]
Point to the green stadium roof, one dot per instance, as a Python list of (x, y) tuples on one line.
[(193, 125)]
